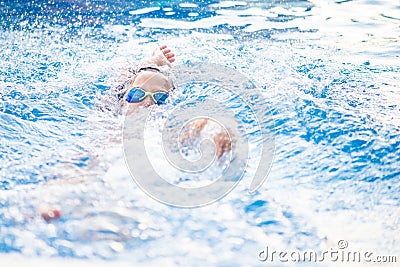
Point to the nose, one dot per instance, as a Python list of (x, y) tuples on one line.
[(148, 101)]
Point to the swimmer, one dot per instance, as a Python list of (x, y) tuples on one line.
[(151, 84), (147, 85)]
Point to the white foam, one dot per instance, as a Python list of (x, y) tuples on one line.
[(144, 10)]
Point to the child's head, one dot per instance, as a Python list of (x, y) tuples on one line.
[(147, 81)]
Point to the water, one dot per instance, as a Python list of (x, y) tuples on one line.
[(329, 71)]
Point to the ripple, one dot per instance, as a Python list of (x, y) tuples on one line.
[(188, 5), (225, 4), (144, 10)]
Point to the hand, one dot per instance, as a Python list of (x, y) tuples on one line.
[(193, 130), (167, 53), (223, 143), (162, 56)]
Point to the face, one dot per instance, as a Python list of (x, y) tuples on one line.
[(149, 82)]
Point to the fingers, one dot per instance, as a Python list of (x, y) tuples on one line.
[(167, 52), (170, 57), (165, 49)]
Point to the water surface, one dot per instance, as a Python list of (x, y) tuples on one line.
[(329, 73)]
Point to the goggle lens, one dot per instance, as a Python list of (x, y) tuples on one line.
[(159, 98), (137, 95)]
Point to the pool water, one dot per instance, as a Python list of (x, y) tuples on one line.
[(328, 70)]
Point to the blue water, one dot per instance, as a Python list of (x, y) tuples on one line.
[(328, 70)]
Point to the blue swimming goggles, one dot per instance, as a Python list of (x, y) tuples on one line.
[(137, 95)]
